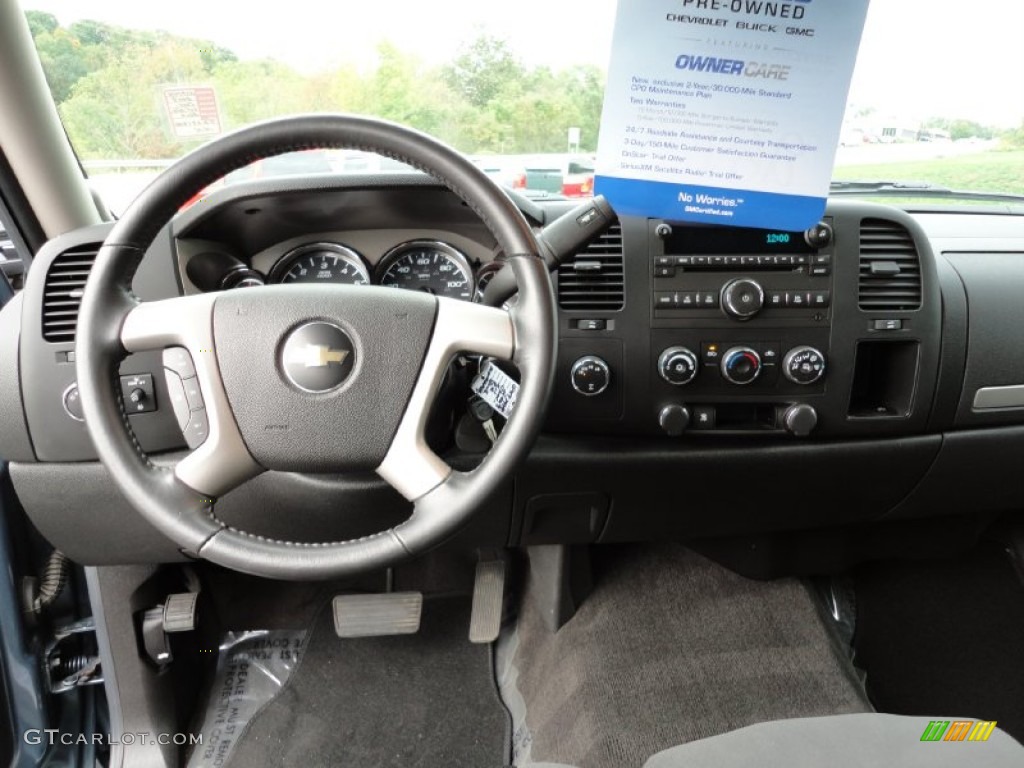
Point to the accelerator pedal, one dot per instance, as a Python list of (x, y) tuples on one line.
[(392, 613), (488, 599)]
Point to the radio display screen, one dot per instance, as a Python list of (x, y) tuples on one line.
[(688, 239)]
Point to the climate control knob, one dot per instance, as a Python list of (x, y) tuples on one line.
[(803, 365), (741, 365), (590, 375), (677, 366), (742, 298)]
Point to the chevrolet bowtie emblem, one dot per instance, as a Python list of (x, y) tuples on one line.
[(315, 355), (318, 357)]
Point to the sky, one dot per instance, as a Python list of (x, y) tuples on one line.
[(919, 58)]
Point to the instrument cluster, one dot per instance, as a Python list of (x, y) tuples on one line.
[(430, 266)]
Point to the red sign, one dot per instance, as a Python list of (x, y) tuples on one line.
[(192, 111)]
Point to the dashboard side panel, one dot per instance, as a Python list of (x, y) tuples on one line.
[(995, 284), (15, 443)]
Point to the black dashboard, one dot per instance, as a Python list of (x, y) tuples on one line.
[(870, 368)]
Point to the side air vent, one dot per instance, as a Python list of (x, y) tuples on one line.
[(890, 268), (62, 293), (593, 279)]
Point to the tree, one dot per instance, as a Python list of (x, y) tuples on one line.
[(485, 71), (116, 111), (41, 23)]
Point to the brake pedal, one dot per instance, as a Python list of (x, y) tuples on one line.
[(393, 613), (488, 600)]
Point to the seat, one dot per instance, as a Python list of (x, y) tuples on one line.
[(843, 741)]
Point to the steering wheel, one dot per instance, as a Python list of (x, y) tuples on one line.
[(306, 378)]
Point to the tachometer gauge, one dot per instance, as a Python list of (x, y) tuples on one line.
[(321, 263), (428, 266)]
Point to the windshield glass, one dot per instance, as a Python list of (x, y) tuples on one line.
[(519, 86)]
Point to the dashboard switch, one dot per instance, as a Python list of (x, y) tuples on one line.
[(674, 419), (703, 417), (137, 393), (678, 366), (590, 376)]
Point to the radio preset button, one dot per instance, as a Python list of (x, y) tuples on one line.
[(798, 299)]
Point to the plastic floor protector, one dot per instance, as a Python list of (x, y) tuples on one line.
[(252, 668)]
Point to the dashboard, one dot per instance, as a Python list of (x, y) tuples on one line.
[(710, 381)]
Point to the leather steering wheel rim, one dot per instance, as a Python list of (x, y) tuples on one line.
[(181, 503)]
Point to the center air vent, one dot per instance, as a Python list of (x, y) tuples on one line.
[(593, 279), (890, 268), (62, 294)]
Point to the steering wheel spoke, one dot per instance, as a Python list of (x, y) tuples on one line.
[(410, 467), (221, 461)]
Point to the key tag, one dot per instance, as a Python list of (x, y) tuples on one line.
[(496, 388)]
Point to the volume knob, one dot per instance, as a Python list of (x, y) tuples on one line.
[(742, 298)]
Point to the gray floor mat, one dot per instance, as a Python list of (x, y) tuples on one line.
[(668, 649), (425, 699)]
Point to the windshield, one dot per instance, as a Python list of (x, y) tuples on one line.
[(519, 86)]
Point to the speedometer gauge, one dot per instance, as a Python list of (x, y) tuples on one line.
[(428, 266), (321, 263)]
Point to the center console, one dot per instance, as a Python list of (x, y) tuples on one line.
[(726, 331)]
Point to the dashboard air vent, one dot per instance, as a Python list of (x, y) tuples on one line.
[(890, 268), (62, 293), (594, 278)]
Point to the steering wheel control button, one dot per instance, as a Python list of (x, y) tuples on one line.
[(176, 394), (73, 403), (138, 394), (317, 357), (741, 365), (803, 365), (678, 366), (674, 419), (193, 395), (800, 419), (198, 429), (590, 376), (179, 360), (742, 298)]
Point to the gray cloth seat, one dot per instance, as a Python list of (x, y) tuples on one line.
[(839, 741), (842, 741)]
